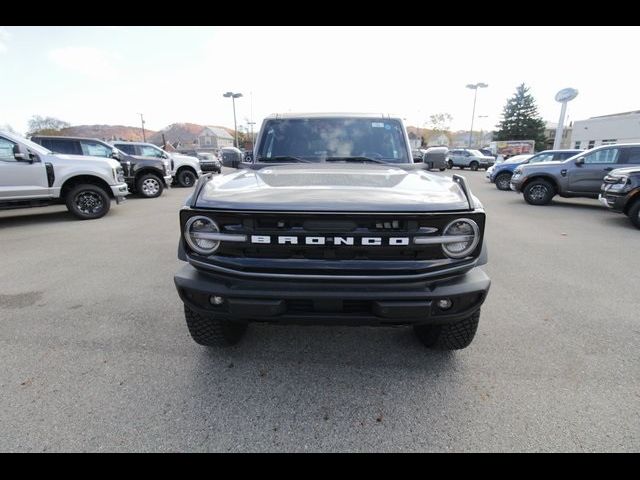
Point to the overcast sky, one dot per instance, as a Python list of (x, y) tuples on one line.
[(106, 75)]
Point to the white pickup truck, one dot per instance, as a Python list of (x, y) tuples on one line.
[(33, 176), (185, 169)]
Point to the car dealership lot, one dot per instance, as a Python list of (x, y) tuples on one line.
[(96, 354)]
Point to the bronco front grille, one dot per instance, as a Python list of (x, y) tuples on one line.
[(390, 236)]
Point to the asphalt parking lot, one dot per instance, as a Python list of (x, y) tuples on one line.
[(96, 356)]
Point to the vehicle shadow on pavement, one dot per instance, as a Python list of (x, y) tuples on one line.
[(567, 203), (333, 347), (314, 388), (20, 219), (619, 220)]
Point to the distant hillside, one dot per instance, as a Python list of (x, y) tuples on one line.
[(184, 133), (106, 132)]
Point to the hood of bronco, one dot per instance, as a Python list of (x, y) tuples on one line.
[(332, 187)]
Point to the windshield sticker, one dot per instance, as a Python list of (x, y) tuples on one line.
[(377, 124)]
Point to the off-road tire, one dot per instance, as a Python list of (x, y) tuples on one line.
[(451, 336), (539, 192), (502, 181), (474, 166), (153, 190), (208, 331), (186, 178), (92, 192), (634, 213)]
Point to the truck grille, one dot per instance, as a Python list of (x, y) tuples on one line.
[(334, 230)]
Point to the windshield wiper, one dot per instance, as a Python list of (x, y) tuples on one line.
[(354, 159), (283, 158)]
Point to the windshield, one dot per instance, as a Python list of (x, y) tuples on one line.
[(336, 139)]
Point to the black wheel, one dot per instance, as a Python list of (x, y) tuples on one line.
[(473, 166), (208, 331), (503, 180), (443, 169), (634, 213), (87, 201), (539, 192), (449, 164), (186, 178), (149, 185), (452, 336)]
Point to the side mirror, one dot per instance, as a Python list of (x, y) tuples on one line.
[(115, 154), (20, 154), (580, 161)]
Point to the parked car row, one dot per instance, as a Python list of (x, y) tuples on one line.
[(610, 173), (85, 174), (501, 173)]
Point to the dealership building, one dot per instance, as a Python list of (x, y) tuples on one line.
[(606, 130)]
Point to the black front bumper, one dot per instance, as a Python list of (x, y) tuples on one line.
[(210, 167), (334, 303)]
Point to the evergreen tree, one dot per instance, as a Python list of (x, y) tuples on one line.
[(520, 119)]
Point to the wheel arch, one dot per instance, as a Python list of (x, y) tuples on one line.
[(80, 179), (187, 167), (542, 176), (151, 170)]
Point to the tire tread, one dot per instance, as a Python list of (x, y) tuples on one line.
[(452, 336), (206, 330)]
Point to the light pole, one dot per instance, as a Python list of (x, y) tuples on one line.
[(233, 99), (144, 137), (474, 86), (251, 124), (482, 131)]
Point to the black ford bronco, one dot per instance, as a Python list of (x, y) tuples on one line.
[(332, 223)]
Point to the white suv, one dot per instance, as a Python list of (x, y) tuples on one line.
[(33, 176), (184, 169)]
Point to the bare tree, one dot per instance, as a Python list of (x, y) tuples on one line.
[(7, 128), (439, 122), (45, 125)]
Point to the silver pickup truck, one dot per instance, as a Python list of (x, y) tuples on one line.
[(469, 158), (33, 176)]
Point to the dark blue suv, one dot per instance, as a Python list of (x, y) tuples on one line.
[(502, 172)]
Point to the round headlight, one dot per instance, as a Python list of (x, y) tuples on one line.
[(197, 232), (468, 231)]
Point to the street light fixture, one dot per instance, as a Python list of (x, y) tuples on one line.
[(474, 86), (235, 126)]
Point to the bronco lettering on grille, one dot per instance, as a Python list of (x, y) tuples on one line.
[(336, 241)]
